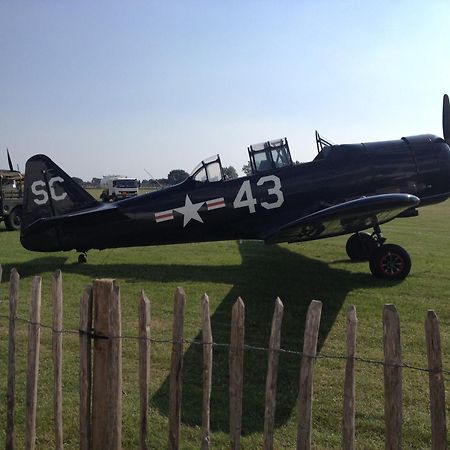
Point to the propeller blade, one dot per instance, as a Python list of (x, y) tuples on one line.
[(9, 161), (446, 118)]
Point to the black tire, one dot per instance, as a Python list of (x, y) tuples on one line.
[(12, 222), (360, 246), (82, 258), (390, 262)]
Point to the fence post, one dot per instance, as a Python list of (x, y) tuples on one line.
[(236, 358), (107, 380), (348, 422), (144, 367), (393, 415), (305, 397), (85, 368), (272, 374), (176, 370), (11, 388), (436, 382), (207, 371), (57, 299), (34, 333)]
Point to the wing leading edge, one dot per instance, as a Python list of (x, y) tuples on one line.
[(345, 218)]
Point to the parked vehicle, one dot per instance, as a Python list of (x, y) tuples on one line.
[(11, 198), (116, 187)]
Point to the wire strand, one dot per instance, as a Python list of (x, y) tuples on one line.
[(91, 333)]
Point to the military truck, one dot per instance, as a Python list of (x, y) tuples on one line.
[(11, 197)]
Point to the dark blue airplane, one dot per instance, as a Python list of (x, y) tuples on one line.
[(346, 189)]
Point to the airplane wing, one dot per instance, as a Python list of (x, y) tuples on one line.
[(344, 218)]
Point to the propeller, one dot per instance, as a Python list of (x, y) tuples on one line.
[(446, 119), (11, 164)]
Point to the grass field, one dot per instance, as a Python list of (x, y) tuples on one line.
[(257, 273)]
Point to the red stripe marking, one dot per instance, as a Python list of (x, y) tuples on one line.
[(221, 202), (163, 216)]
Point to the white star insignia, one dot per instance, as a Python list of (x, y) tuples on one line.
[(190, 211)]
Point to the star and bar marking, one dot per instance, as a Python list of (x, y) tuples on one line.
[(190, 210)]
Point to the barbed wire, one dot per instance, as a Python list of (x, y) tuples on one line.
[(93, 335)]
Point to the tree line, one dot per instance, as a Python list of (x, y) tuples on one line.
[(175, 176)]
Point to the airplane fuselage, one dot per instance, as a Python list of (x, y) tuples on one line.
[(253, 207)]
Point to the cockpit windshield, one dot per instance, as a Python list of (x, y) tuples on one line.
[(209, 169), (269, 155)]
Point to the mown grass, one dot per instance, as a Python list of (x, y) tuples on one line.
[(257, 273)]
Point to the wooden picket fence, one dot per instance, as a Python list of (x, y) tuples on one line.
[(100, 418)]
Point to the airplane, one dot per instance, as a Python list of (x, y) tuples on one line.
[(345, 189)]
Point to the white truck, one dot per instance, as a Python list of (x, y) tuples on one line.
[(117, 187)]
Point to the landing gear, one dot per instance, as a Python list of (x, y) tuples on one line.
[(82, 258), (390, 262), (360, 246), (386, 261), (12, 222)]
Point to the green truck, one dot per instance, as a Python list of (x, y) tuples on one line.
[(11, 198)]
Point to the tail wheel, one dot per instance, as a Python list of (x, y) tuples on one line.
[(360, 246), (12, 222), (390, 262)]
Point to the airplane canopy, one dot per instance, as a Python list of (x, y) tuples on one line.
[(269, 155), (209, 169)]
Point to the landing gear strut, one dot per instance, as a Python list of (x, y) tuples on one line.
[(387, 261), (82, 258)]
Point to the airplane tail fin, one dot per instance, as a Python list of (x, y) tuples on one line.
[(49, 192)]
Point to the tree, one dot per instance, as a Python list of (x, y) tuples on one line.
[(247, 169), (177, 176), (229, 172)]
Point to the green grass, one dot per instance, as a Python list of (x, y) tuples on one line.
[(257, 273)]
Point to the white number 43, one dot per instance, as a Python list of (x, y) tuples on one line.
[(245, 198)]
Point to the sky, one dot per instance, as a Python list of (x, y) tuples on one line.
[(115, 87)]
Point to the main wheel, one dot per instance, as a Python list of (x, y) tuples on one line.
[(82, 258), (390, 262), (360, 246), (12, 222)]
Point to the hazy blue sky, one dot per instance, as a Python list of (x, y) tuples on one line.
[(118, 86)]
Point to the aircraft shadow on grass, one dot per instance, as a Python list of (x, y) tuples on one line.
[(266, 272)]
